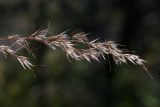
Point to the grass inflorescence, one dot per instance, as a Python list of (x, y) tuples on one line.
[(94, 50)]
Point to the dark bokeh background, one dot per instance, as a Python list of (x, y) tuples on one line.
[(56, 82)]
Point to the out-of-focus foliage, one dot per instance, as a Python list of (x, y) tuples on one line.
[(58, 82)]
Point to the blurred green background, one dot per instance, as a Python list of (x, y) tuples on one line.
[(56, 82)]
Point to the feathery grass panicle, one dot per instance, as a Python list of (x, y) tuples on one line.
[(92, 50)]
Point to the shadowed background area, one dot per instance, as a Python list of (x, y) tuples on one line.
[(57, 82)]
